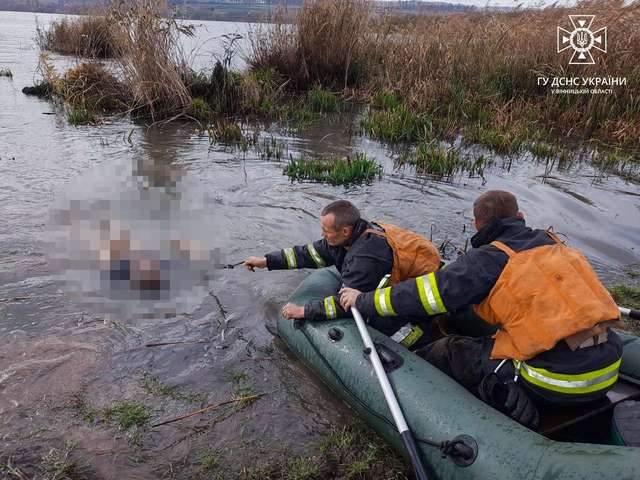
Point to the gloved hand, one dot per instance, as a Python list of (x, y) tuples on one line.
[(510, 398)]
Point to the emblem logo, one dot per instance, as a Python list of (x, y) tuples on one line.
[(582, 39)]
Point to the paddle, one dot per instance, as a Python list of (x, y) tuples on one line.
[(390, 396), (630, 312)]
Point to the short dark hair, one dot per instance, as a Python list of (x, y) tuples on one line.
[(345, 212), (495, 203)]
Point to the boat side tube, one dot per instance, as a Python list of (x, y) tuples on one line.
[(438, 409)]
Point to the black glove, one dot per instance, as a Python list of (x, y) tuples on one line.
[(510, 398)]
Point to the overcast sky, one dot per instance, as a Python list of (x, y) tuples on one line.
[(512, 3), (507, 3)]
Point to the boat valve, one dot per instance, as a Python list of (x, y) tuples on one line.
[(335, 334), (463, 450)]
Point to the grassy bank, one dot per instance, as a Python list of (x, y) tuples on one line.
[(148, 71), (472, 72), (149, 75), (423, 81), (628, 296)]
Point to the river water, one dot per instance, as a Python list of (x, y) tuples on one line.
[(70, 347)]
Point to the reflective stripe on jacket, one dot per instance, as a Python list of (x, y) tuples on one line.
[(469, 280), (362, 265), (567, 383)]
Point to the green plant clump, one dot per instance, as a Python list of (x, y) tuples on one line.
[(80, 116), (128, 414), (334, 170), (385, 100), (323, 101), (397, 124), (201, 110)]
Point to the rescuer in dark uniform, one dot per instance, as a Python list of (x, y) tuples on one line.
[(364, 253), (554, 344)]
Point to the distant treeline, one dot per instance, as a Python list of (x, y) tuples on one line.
[(231, 10)]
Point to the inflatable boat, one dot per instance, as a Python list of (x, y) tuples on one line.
[(457, 435)]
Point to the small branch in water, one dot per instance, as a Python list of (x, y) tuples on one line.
[(161, 344), (14, 299), (220, 307), (211, 407)]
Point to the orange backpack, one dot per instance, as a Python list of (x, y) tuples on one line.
[(413, 255), (544, 295)]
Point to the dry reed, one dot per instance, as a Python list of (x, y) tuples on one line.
[(466, 69), (328, 44), (150, 57), (89, 35)]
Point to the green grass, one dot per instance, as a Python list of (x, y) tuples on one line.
[(272, 148), (238, 377), (153, 386), (350, 451), (542, 150), (627, 296), (617, 157), (300, 115), (385, 100), (363, 463), (435, 160), (78, 402), (334, 170), (59, 464), (303, 468), (432, 159), (201, 110), (340, 438), (242, 391), (502, 142), (127, 414), (226, 132), (397, 124), (323, 101), (208, 462), (632, 273), (80, 116)]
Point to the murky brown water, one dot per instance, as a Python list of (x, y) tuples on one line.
[(62, 348)]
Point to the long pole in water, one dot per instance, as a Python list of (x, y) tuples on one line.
[(390, 396), (630, 312)]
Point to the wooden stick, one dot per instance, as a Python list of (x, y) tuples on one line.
[(160, 344), (209, 408), (14, 299)]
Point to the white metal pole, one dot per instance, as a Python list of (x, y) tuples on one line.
[(389, 394)]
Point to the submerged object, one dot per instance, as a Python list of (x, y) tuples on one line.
[(457, 435)]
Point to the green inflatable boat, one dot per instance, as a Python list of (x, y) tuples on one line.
[(457, 435)]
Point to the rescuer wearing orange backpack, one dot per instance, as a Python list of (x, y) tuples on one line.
[(553, 345), (364, 253)]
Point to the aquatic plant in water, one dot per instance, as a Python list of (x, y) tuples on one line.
[(334, 170), (444, 163)]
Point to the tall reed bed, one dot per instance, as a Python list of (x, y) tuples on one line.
[(92, 36), (329, 42), (148, 61), (150, 56), (468, 70)]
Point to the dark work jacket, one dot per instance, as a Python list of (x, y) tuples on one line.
[(470, 279), (362, 262)]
